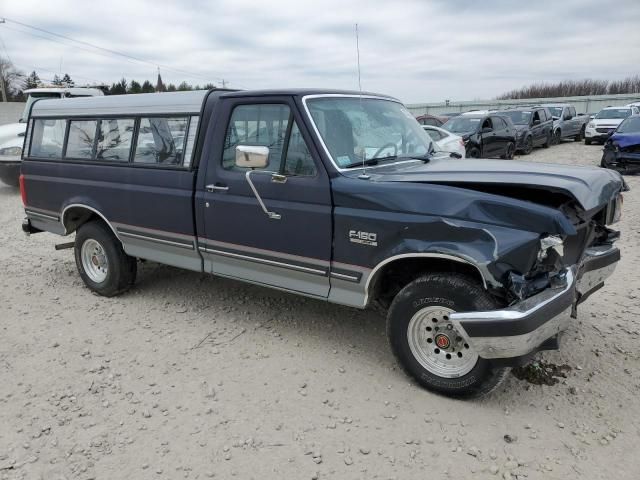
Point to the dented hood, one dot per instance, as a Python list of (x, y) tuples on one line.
[(591, 187)]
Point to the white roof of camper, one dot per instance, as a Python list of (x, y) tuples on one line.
[(132, 104)]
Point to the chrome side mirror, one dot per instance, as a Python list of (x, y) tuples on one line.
[(250, 156)]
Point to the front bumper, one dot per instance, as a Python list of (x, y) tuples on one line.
[(10, 172), (526, 326), (593, 134), (622, 161)]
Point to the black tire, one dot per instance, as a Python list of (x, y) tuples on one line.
[(580, 136), (528, 146), (473, 153), (587, 141), (557, 137), (455, 292), (509, 152), (121, 268)]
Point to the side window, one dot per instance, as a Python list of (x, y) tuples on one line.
[(543, 115), (572, 111), (82, 135), (161, 141), (114, 139), (47, 138), (191, 138), (498, 123), (298, 160), (263, 125), (487, 124), (536, 116)]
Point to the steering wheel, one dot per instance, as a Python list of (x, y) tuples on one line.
[(385, 146)]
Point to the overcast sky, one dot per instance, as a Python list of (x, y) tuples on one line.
[(423, 50)]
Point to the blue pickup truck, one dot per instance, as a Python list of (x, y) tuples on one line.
[(338, 196)]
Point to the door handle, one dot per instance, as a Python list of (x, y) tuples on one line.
[(214, 187)]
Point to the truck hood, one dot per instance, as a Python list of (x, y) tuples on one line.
[(591, 187)]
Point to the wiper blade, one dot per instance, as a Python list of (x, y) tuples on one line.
[(371, 161)]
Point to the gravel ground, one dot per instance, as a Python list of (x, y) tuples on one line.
[(192, 376)]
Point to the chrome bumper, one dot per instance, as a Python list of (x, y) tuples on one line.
[(522, 328)]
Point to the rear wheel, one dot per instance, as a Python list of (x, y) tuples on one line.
[(101, 261), (528, 146), (509, 151), (426, 342)]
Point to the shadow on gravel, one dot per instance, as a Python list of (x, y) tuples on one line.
[(8, 190)]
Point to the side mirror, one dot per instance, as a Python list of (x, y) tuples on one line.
[(555, 117), (486, 130), (250, 156)]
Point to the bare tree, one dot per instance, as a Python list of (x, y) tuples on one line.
[(12, 79), (575, 88)]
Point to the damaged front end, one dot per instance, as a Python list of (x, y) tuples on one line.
[(542, 301), (622, 153)]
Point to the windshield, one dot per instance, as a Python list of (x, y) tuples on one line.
[(356, 129), (614, 113), (518, 117), (32, 98), (556, 111), (462, 124), (630, 125)]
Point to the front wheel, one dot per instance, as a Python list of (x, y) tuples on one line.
[(557, 137), (528, 146), (587, 141), (101, 261), (427, 344)]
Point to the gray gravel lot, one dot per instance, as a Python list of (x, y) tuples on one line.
[(192, 376)]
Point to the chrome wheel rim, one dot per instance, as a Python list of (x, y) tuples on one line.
[(437, 345), (94, 260)]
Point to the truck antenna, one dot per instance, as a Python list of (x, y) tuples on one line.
[(363, 175)]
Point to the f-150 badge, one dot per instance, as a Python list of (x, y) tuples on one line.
[(364, 238)]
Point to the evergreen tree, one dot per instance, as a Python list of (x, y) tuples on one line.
[(209, 86), (57, 81), (66, 79), (159, 85), (171, 88), (184, 86), (134, 87), (147, 87), (119, 88), (32, 81)]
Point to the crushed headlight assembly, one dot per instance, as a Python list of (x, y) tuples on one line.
[(550, 242), (616, 206)]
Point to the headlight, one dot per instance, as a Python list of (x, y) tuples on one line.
[(550, 242), (591, 125), (616, 213), (11, 151)]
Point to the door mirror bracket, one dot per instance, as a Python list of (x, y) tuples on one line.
[(270, 214)]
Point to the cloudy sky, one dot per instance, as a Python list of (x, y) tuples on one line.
[(422, 50)]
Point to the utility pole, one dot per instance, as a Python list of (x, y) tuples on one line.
[(224, 83), (3, 88)]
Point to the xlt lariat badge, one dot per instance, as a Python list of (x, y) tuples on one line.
[(363, 238)]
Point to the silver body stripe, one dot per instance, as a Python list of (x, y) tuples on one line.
[(157, 240)]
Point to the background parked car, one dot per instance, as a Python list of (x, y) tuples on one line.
[(534, 127), (605, 122), (622, 149), (566, 122), (484, 135), (446, 141), (431, 120)]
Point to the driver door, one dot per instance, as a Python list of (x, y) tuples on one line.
[(290, 250), (489, 140)]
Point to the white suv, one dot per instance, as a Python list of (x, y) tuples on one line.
[(606, 121)]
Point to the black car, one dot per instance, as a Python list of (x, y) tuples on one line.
[(485, 135), (534, 127)]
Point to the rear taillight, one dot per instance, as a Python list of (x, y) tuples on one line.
[(23, 190)]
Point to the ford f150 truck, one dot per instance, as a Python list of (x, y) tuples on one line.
[(334, 195), (566, 122)]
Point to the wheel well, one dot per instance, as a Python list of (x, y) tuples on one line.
[(391, 278), (76, 216)]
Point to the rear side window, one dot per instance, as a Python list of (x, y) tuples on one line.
[(82, 137), (161, 141), (47, 138), (114, 139)]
